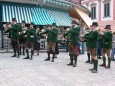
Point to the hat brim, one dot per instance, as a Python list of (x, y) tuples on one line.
[(53, 25), (23, 22), (94, 25), (31, 24), (107, 28), (14, 20), (73, 23)]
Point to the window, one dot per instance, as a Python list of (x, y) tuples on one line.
[(106, 9), (93, 12)]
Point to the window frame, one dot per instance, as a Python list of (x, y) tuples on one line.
[(106, 10), (93, 12)]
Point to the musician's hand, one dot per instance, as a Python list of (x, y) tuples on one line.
[(67, 29), (89, 30), (61, 36), (49, 28), (9, 26), (40, 33), (81, 35), (24, 32), (4, 25), (42, 30), (101, 33)]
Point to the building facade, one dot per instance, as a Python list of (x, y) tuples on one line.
[(102, 11)]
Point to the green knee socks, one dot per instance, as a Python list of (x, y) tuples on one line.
[(71, 58), (104, 60), (95, 64), (75, 58), (27, 53), (109, 61), (14, 51), (17, 51)]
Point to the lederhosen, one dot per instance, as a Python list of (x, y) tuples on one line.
[(15, 41), (30, 44), (37, 41), (22, 39)]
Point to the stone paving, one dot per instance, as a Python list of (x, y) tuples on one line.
[(37, 72)]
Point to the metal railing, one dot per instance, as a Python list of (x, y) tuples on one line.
[(61, 3), (25, 1)]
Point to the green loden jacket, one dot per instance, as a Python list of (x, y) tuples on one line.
[(30, 35), (107, 40), (14, 31), (68, 35), (23, 35), (38, 35), (8, 31), (92, 39), (51, 35), (87, 40), (74, 35)]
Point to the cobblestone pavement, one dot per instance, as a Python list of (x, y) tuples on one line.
[(37, 72)]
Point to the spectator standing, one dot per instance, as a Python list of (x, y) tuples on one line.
[(113, 47)]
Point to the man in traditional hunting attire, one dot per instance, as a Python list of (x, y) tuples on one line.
[(30, 38), (22, 37), (37, 40), (87, 33), (14, 31), (73, 41), (52, 34), (93, 38), (106, 46)]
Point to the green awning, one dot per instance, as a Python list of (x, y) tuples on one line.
[(40, 16), (18, 12), (61, 17)]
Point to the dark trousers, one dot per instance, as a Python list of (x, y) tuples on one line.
[(67, 49), (29, 45), (15, 45), (99, 49)]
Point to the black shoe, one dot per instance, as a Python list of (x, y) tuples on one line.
[(99, 57), (74, 65), (52, 60), (48, 59), (107, 67), (31, 58), (26, 58), (23, 53), (103, 65), (94, 71), (14, 55), (55, 57), (91, 62), (70, 64), (91, 69), (18, 56), (87, 61), (82, 52)]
